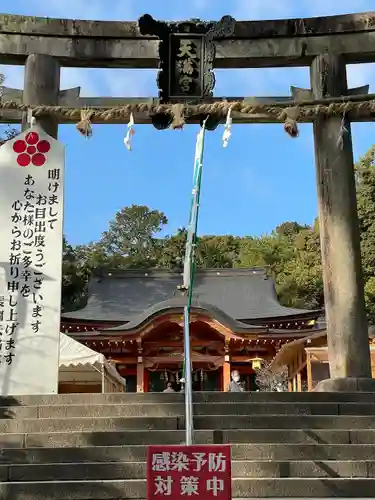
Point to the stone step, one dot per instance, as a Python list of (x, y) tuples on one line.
[(131, 470), (106, 438), (224, 422), (123, 438), (107, 434), (281, 422), (178, 409), (211, 397), (61, 424), (245, 451), (241, 488)]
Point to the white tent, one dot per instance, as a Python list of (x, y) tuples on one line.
[(81, 366)]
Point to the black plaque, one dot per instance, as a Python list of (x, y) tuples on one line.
[(187, 53)]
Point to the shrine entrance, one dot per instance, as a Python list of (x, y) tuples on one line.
[(203, 379), (186, 54)]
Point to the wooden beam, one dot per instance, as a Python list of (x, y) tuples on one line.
[(248, 359), (140, 375), (299, 382), (175, 343), (65, 98), (289, 42), (76, 28), (123, 360), (309, 372), (230, 54), (299, 94), (79, 53), (293, 52), (297, 368)]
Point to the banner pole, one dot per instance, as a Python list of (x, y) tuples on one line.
[(189, 271)]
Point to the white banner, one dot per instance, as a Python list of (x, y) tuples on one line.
[(194, 208), (31, 225)]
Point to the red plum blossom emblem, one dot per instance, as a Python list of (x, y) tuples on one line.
[(31, 150)]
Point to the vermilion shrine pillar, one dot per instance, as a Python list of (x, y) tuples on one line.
[(42, 86), (140, 370), (226, 375), (347, 329), (226, 367)]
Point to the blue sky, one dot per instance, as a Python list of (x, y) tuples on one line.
[(262, 179)]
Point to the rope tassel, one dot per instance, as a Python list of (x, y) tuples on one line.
[(291, 125), (84, 126), (343, 132), (178, 115)]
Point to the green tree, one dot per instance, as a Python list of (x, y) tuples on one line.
[(128, 243), (170, 250), (6, 132), (365, 176), (75, 274), (130, 238), (271, 251), (300, 281), (292, 254), (216, 251), (290, 229)]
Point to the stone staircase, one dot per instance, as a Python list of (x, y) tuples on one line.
[(93, 446)]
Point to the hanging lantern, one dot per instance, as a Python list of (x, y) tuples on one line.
[(257, 363)]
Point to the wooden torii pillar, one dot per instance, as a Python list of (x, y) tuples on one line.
[(42, 86), (347, 331)]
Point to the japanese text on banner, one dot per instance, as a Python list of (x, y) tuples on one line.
[(30, 253), (181, 472)]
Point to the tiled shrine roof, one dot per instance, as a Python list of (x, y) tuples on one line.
[(240, 297)]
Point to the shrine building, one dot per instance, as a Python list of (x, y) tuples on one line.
[(135, 318)]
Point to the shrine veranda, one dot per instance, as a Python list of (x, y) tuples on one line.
[(186, 54)]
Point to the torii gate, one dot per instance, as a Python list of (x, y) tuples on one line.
[(186, 53)]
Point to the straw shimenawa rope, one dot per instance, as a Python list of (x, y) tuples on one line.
[(287, 112)]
